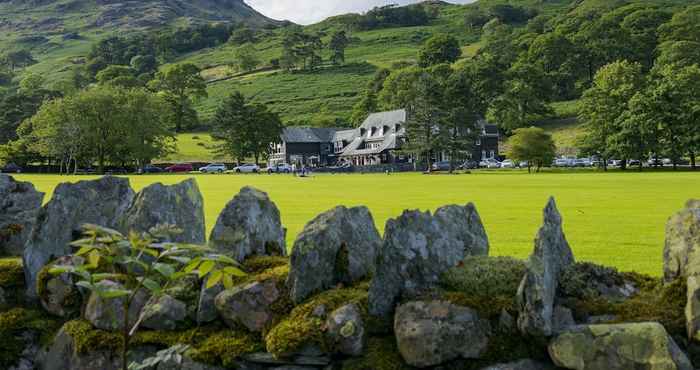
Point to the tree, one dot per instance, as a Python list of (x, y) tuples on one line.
[(117, 75), (17, 59), (31, 83), (144, 64), (684, 26), (439, 49), (424, 118), (245, 129), (369, 102), (337, 45), (246, 58), (180, 84), (532, 145), (399, 88), (475, 18), (604, 104), (518, 106), (243, 35), (643, 28), (109, 255), (681, 53)]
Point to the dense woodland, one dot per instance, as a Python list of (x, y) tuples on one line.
[(633, 67)]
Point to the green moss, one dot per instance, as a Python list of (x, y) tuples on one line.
[(258, 264), (382, 354), (301, 327), (11, 273), (655, 302), (485, 276), (18, 320), (487, 306), (213, 344), (580, 280)]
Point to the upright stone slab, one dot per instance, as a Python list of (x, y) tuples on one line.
[(418, 247), (19, 206), (682, 247), (617, 347), (101, 202), (338, 246), (537, 291), (180, 205), (249, 225)]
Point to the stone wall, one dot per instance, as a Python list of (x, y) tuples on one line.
[(426, 294)]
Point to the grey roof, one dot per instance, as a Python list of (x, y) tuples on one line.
[(388, 139), (380, 119), (307, 134)]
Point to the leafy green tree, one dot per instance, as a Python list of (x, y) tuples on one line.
[(298, 46), (532, 145), (684, 26), (31, 83), (604, 104), (339, 42), (17, 59), (643, 28), (144, 64), (180, 84), (116, 75), (246, 58), (518, 106), (243, 35), (475, 18), (682, 53), (147, 262), (399, 88), (557, 57), (369, 102), (424, 118), (439, 49)]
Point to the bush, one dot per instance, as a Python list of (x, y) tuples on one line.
[(485, 276)]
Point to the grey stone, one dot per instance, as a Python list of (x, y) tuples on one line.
[(19, 206), (206, 307), (269, 359), (60, 296), (506, 322), (184, 362), (180, 205), (537, 291), (418, 247), (522, 365), (248, 305), (3, 300), (692, 307), (430, 333), (30, 353), (338, 246), (682, 246), (617, 347), (163, 313), (601, 319), (249, 225), (100, 202), (346, 330), (108, 314), (562, 319)]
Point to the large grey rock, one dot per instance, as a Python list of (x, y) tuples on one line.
[(618, 347), (63, 355), (163, 313), (108, 313), (248, 305), (682, 247), (19, 207), (180, 205), (430, 333), (346, 331), (692, 307), (418, 247), (100, 202), (249, 225), (338, 246), (184, 362), (206, 307), (537, 291)]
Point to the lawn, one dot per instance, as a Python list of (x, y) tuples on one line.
[(616, 219)]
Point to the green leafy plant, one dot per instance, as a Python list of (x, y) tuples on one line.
[(142, 261)]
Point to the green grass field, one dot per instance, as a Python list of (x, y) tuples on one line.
[(616, 219)]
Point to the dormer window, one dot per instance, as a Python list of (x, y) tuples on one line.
[(397, 127), (385, 130), (374, 131), (363, 131)]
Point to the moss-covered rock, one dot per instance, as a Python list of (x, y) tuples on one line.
[(585, 280), (382, 354), (11, 273), (15, 321)]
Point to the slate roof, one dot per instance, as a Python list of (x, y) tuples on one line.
[(308, 134)]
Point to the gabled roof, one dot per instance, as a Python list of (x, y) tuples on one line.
[(389, 118), (308, 135)]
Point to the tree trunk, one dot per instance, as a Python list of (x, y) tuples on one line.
[(692, 161)]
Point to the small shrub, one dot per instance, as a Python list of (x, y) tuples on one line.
[(485, 276)]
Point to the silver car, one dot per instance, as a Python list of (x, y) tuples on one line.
[(247, 168), (213, 168)]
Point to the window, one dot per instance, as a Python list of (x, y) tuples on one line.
[(478, 142), (397, 127), (493, 154), (363, 131), (374, 131), (385, 130)]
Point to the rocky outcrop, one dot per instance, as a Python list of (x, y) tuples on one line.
[(617, 347), (19, 206), (108, 313), (537, 291), (682, 247), (249, 225), (338, 246), (206, 306), (346, 331), (418, 247), (163, 313), (430, 333), (248, 305), (180, 205), (100, 202)]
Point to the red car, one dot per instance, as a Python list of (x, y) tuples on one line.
[(182, 167)]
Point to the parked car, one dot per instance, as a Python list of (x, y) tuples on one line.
[(182, 167), (490, 163), (279, 168), (247, 168), (656, 162), (614, 163), (508, 164), (633, 163), (149, 168), (561, 162), (11, 168), (523, 164), (583, 162), (213, 168), (341, 167), (469, 165), (441, 166)]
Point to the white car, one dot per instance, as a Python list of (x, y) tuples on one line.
[(490, 163), (247, 168), (508, 164), (561, 162), (279, 168), (213, 168)]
